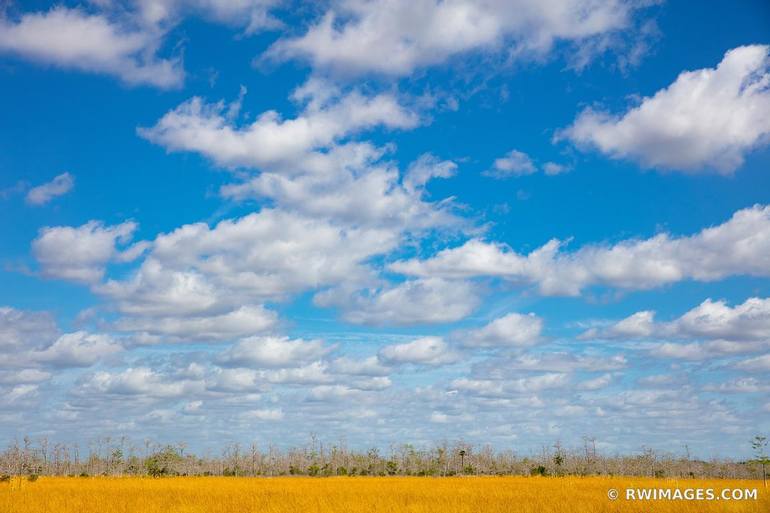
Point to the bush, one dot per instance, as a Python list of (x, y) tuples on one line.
[(5, 478), (32, 478), (162, 462), (540, 470)]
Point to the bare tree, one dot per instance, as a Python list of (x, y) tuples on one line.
[(759, 444)]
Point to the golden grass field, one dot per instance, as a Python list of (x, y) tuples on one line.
[(359, 494)]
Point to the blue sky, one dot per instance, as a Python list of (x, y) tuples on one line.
[(504, 222)]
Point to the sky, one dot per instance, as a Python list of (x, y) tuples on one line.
[(504, 222)]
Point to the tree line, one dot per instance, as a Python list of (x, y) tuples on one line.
[(122, 457)]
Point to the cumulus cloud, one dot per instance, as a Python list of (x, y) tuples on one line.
[(254, 15), (630, 264), (716, 320), (32, 346), (517, 163), (756, 364), (563, 362), (370, 366), (704, 350), (274, 352), (198, 269), (75, 39), (511, 330), (422, 351), (21, 329), (350, 184), (499, 388), (422, 301), (310, 374), (328, 116), (638, 325), (44, 193), (242, 321), (426, 168), (740, 386), (397, 37), (23, 376), (514, 163), (137, 381), (78, 349), (81, 254), (263, 414), (708, 119)]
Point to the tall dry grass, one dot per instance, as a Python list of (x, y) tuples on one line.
[(360, 494)]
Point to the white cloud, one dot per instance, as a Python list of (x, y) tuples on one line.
[(563, 363), (376, 383), (370, 366), (74, 39), (514, 163), (273, 352), (499, 388), (517, 163), (596, 383), (23, 376), (740, 386), (425, 168), (638, 325), (350, 184), (552, 168), (630, 264), (30, 341), (138, 381), (270, 140), (263, 414), (708, 119), (327, 393), (422, 351), (18, 393), (439, 418), (238, 380), (254, 15), (198, 269), (243, 321), (704, 350), (511, 330), (20, 329), (396, 37), (78, 349), (756, 364), (714, 320), (423, 301), (81, 254), (313, 373), (481, 387), (192, 407), (540, 382), (44, 193)]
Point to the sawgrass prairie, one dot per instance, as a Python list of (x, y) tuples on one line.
[(364, 494)]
